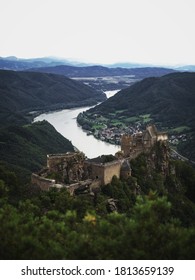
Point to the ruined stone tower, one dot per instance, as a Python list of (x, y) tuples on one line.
[(133, 145)]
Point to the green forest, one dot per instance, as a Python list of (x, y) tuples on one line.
[(154, 217)]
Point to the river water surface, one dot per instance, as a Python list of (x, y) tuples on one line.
[(65, 123)]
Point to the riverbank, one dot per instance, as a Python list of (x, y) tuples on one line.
[(66, 124)]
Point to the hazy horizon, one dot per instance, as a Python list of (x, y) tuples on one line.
[(74, 62)]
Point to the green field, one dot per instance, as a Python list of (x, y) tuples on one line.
[(145, 118)]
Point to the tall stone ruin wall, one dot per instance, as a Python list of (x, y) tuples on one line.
[(103, 172), (69, 166), (111, 170)]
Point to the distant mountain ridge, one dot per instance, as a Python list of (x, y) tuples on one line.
[(71, 68), (102, 71), (20, 64)]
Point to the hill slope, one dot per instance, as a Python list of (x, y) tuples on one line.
[(169, 100), (26, 91), (24, 146), (23, 149)]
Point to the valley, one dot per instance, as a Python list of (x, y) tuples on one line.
[(75, 198), (106, 83), (97, 139)]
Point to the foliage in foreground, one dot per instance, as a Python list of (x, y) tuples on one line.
[(148, 233)]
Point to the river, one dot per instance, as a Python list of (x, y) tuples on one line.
[(65, 123)]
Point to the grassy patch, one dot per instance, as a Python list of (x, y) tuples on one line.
[(102, 119), (98, 126), (131, 119), (112, 114), (145, 118), (116, 122), (120, 111)]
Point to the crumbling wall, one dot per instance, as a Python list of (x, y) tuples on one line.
[(69, 166), (43, 183)]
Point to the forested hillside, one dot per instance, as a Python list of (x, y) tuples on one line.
[(23, 149), (168, 101), (24, 146), (21, 92)]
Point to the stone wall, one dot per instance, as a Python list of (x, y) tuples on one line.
[(43, 183), (110, 170), (69, 166)]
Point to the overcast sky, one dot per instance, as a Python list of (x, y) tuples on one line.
[(100, 31)]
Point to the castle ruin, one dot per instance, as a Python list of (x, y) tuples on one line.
[(74, 170)]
